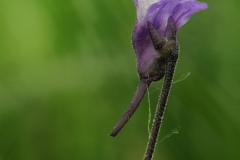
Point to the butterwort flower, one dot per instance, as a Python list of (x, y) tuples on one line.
[(157, 13), (156, 46)]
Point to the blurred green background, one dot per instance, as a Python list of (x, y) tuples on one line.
[(68, 72)]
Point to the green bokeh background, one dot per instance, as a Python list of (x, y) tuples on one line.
[(68, 72)]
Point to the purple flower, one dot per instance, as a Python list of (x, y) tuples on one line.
[(156, 46), (157, 13)]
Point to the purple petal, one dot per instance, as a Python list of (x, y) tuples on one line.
[(142, 44), (158, 13), (142, 6), (180, 10), (183, 11)]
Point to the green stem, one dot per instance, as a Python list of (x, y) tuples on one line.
[(170, 67)]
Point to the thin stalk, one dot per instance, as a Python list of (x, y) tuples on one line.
[(169, 71), (138, 96)]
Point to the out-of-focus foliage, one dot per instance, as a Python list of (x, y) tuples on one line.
[(67, 73)]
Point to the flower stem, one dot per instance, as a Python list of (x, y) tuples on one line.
[(141, 90), (169, 71)]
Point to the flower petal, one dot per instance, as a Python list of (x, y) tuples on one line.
[(180, 10), (183, 11), (142, 44), (142, 6), (158, 13)]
